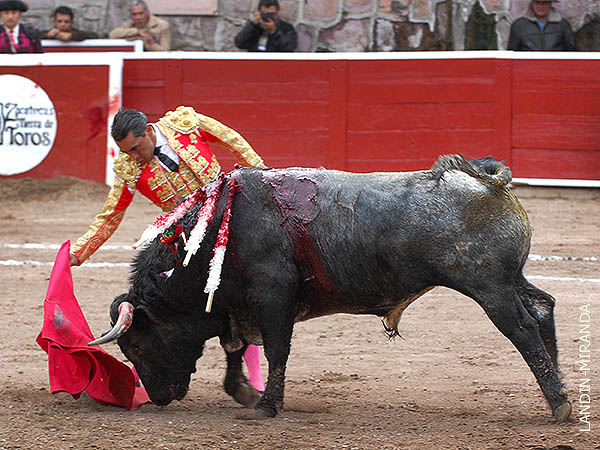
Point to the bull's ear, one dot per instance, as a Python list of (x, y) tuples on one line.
[(114, 308), (142, 314)]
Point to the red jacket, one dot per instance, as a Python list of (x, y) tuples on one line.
[(28, 40)]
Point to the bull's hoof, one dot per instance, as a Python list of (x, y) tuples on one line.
[(563, 412), (255, 414), (246, 395), (264, 413)]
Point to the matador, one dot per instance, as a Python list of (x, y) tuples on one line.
[(166, 162)]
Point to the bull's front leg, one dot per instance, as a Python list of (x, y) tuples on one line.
[(277, 350), (236, 384), (276, 324)]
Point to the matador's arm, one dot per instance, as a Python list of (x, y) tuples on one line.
[(105, 223), (185, 120), (214, 131)]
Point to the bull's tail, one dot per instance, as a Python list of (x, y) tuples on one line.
[(486, 169)]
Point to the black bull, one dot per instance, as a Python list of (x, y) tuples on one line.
[(305, 243)]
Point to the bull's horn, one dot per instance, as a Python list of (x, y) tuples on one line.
[(122, 325)]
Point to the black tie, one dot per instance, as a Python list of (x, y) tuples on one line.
[(171, 165)]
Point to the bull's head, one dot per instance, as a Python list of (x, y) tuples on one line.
[(163, 349)]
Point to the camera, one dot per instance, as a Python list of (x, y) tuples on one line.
[(267, 16)]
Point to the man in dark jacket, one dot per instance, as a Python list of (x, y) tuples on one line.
[(14, 36), (266, 32), (63, 27), (541, 29)]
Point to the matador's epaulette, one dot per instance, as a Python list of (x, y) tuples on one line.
[(127, 170), (183, 120)]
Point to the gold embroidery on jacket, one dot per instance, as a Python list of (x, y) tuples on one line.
[(96, 241), (127, 170), (184, 119), (172, 137), (189, 178), (232, 141), (103, 225), (172, 187), (192, 157), (211, 173)]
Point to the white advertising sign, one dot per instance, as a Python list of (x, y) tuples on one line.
[(27, 124)]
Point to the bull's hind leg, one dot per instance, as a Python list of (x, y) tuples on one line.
[(509, 315), (541, 307), (235, 382)]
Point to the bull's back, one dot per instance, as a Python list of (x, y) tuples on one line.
[(364, 242)]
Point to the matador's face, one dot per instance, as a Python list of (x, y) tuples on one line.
[(139, 148)]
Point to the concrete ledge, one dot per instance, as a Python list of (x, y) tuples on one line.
[(556, 192)]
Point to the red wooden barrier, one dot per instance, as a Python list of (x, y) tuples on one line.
[(365, 114), (80, 145), (358, 112), (84, 94), (556, 119)]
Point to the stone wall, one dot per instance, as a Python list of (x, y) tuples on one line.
[(346, 25)]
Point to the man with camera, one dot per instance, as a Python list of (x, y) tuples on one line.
[(266, 32)]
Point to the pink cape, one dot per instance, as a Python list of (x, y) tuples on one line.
[(73, 366)]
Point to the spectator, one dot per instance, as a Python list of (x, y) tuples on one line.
[(155, 32), (63, 27), (266, 32), (16, 37), (541, 29)]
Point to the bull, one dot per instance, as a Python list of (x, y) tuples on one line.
[(305, 243)]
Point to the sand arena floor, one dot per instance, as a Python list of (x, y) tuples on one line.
[(452, 382)]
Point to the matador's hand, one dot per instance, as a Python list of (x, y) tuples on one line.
[(73, 260)]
